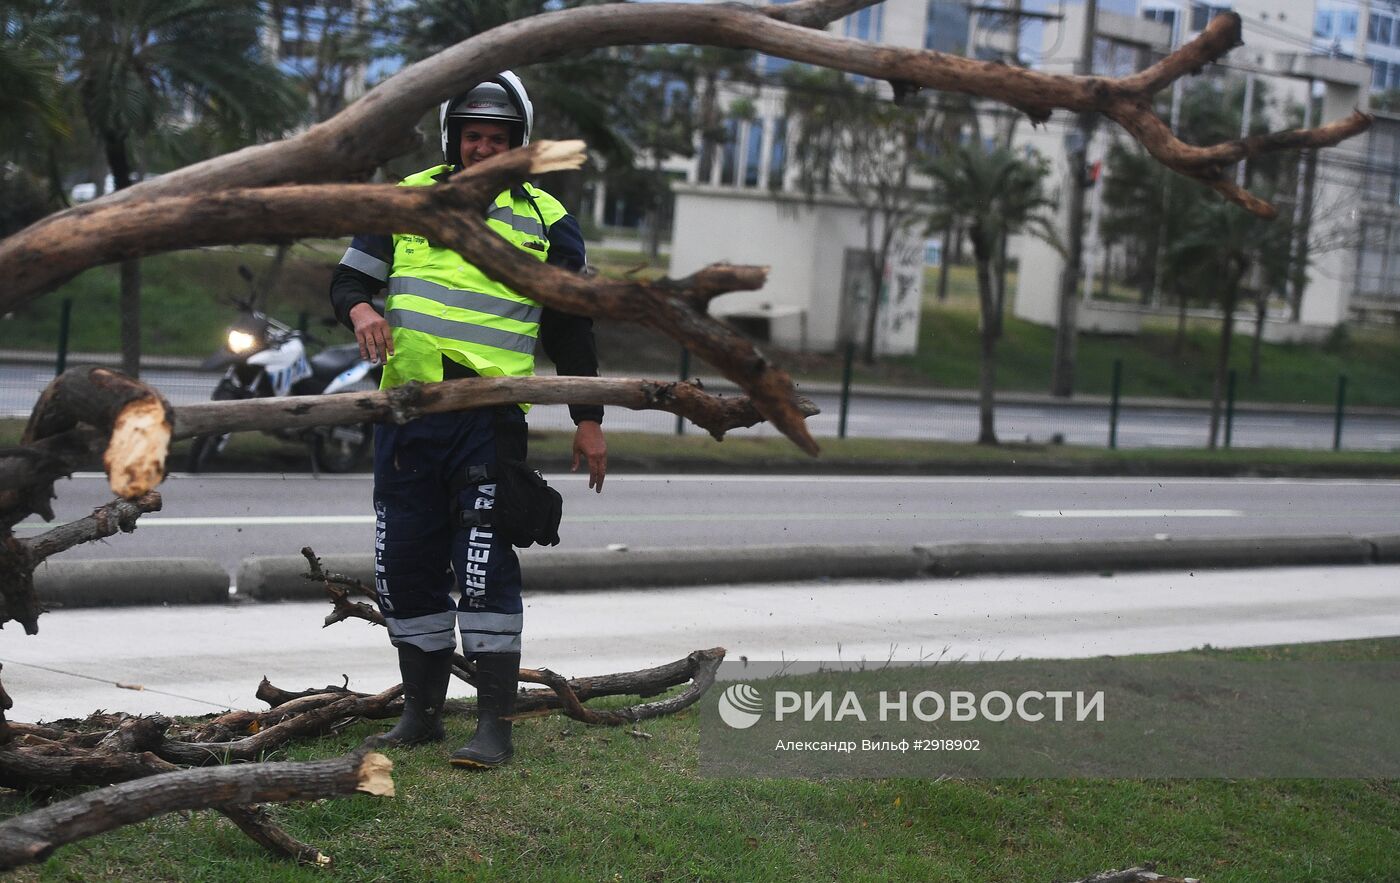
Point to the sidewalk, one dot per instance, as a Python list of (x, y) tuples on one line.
[(202, 659)]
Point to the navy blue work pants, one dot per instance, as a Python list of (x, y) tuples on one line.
[(423, 550)]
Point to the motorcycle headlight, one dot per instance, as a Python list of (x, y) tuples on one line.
[(241, 341)]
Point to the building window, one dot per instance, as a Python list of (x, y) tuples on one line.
[(1378, 29), (753, 153), (1379, 72), (1165, 16), (1322, 25), (777, 155), (1202, 13), (729, 160), (868, 24)]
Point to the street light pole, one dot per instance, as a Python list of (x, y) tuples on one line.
[(1067, 316)]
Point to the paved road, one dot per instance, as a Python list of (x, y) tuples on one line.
[(877, 417), (199, 659), (229, 517)]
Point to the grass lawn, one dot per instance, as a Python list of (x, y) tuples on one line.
[(583, 803)]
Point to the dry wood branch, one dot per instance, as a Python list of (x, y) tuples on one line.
[(338, 587), (136, 419), (33, 836), (257, 823), (27, 474), (19, 558), (646, 682), (118, 515), (23, 768), (314, 722), (713, 413), (702, 663), (568, 695), (1142, 873), (451, 214), (379, 126)]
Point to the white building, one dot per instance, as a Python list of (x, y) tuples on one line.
[(749, 211), (814, 297), (1278, 50)]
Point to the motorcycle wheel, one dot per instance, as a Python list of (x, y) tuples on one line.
[(205, 448), (341, 448)]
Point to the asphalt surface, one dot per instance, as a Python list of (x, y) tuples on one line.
[(229, 518), (199, 659)]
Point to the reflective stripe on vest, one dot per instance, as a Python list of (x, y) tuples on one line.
[(440, 304)]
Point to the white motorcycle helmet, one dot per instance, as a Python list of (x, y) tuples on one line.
[(501, 99)]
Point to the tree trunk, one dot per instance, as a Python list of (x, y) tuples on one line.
[(999, 278), (986, 430), (1261, 308), (1222, 359), (270, 277), (653, 219), (119, 163), (1179, 344), (945, 260), (877, 259)]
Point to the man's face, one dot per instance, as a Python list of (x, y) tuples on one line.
[(482, 140)]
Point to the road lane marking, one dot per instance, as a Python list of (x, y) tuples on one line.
[(1129, 513)]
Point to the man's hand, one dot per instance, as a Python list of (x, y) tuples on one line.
[(373, 333), (589, 444)]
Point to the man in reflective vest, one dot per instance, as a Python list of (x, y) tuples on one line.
[(434, 484)]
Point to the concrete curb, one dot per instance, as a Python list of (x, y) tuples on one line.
[(280, 577), (126, 582), (154, 581), (957, 559)]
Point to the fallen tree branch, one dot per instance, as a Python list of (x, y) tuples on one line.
[(568, 695), (32, 837), (316, 721), (702, 665), (713, 413), (451, 215), (19, 558), (1142, 873), (135, 418), (380, 126)]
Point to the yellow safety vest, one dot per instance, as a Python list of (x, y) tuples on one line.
[(440, 304)]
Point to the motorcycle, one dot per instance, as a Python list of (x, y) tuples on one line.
[(264, 358)]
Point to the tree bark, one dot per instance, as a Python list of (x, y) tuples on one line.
[(34, 836), (987, 374), (1222, 358)]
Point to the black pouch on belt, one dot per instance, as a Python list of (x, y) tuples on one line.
[(527, 509)]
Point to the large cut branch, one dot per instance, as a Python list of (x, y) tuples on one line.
[(136, 419), (451, 215), (32, 837), (715, 414), (18, 558), (380, 126)]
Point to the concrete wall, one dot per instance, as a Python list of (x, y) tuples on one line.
[(805, 245)]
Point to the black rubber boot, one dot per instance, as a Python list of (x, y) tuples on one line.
[(496, 675), (425, 677)]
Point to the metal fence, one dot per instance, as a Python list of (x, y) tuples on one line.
[(924, 415)]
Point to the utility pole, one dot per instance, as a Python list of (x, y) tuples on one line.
[(1067, 319)]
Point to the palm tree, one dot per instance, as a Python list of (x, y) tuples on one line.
[(141, 67), (993, 194), (1225, 244)]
